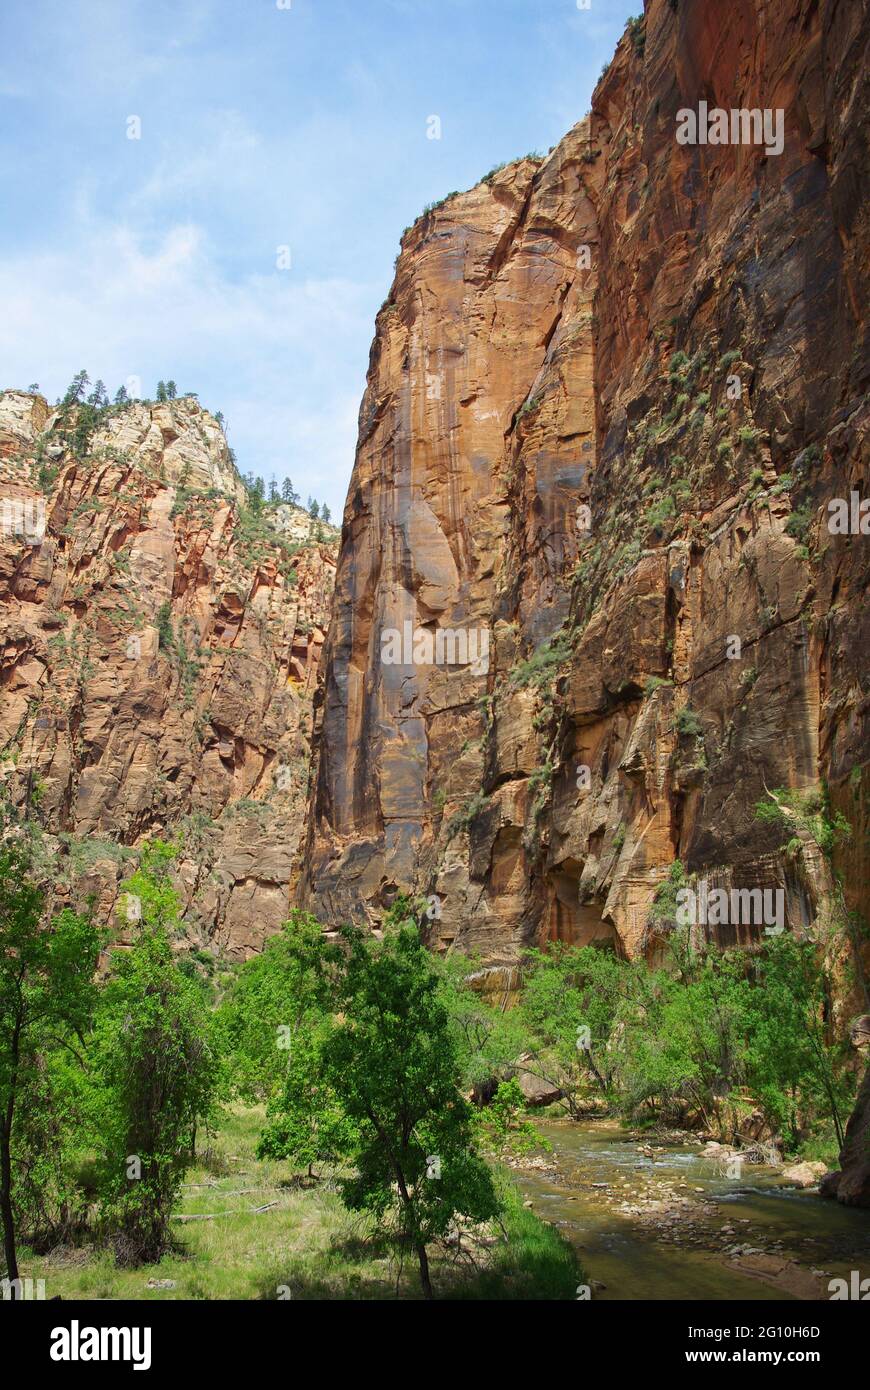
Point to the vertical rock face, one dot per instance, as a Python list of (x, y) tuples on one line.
[(158, 654), (609, 400)]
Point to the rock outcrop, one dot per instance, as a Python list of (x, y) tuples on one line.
[(588, 610), (159, 645)]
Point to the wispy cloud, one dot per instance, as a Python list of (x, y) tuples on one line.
[(260, 128), (262, 348)]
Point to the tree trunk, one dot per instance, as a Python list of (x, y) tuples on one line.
[(6, 1210), (9, 1251), (425, 1281)]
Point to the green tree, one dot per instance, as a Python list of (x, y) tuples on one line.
[(171, 390), (51, 1149), (793, 1067), (155, 1068), (287, 492), (326, 514), (76, 389), (391, 1061), (46, 996), (161, 391), (99, 397), (274, 997), (121, 396), (488, 1039), (570, 1003), (503, 1126), (683, 1046), (165, 635), (307, 1123)]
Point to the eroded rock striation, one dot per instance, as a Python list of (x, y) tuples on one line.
[(610, 398), (159, 645)]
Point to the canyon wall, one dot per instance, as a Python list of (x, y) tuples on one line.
[(159, 645), (609, 398)]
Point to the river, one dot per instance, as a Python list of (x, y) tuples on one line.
[(670, 1224)]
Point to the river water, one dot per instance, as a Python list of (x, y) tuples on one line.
[(673, 1225)]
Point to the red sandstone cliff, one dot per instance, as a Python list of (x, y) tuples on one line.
[(158, 653), (568, 333)]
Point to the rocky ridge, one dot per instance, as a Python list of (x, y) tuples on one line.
[(159, 644)]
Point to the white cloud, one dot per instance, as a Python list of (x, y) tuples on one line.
[(221, 161), (121, 305)]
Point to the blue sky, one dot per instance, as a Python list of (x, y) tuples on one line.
[(261, 127)]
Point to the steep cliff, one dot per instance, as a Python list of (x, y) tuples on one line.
[(609, 400), (159, 644)]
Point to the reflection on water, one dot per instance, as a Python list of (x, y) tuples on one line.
[(683, 1257)]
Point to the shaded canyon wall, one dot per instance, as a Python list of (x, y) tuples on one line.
[(673, 336)]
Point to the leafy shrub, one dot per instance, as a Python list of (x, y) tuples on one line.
[(687, 723)]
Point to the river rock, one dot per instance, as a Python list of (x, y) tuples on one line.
[(537, 1091), (785, 1275), (804, 1174)]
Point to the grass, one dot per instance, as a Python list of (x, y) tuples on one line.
[(306, 1247)]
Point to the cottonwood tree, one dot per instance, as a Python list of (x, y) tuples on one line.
[(47, 994), (374, 1080), (307, 1122), (391, 1061), (155, 1068), (276, 996), (570, 1002)]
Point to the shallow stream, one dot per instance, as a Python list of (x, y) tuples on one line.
[(674, 1225)]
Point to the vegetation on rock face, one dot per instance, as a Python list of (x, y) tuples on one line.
[(540, 668), (806, 811)]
